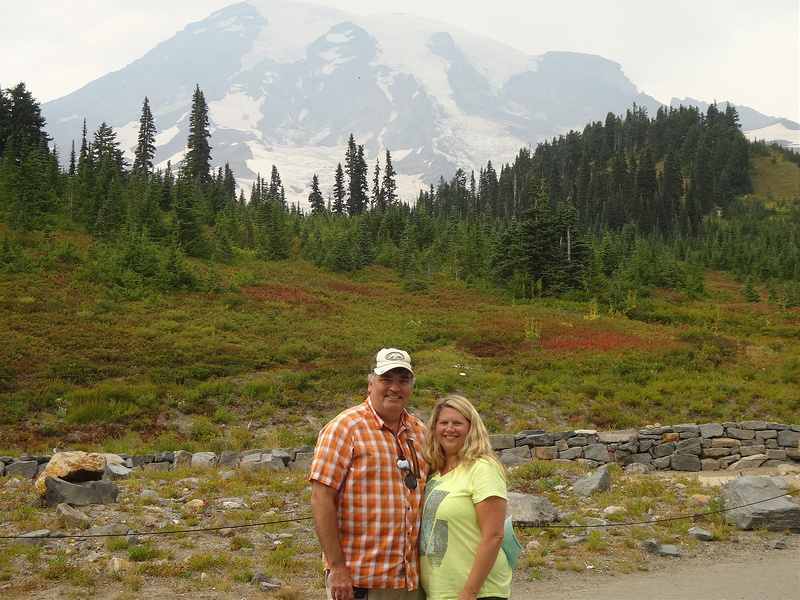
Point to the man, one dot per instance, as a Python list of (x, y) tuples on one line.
[(366, 489)]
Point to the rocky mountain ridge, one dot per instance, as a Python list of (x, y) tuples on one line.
[(287, 83)]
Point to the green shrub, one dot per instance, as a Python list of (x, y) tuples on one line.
[(203, 430), (7, 376), (223, 415), (61, 569), (68, 252), (74, 370), (144, 552)]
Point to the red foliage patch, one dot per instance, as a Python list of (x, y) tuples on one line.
[(588, 340), (278, 293), (670, 295), (292, 295), (361, 290)]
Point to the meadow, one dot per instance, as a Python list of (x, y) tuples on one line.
[(279, 347)]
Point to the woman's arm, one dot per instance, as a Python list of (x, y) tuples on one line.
[(491, 518)]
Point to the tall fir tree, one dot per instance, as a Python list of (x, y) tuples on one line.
[(146, 145), (197, 162), (356, 170), (377, 192), (315, 197), (21, 120), (339, 191), (388, 184), (276, 191), (106, 147)]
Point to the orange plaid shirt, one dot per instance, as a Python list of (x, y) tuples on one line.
[(379, 516)]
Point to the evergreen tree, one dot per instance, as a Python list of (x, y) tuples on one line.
[(112, 212), (197, 162), (388, 185), (84, 143), (5, 121), (646, 189), (73, 164), (187, 226), (146, 145), (276, 191), (21, 120), (356, 171), (229, 182), (339, 191), (377, 193), (105, 146), (315, 197), (671, 193)]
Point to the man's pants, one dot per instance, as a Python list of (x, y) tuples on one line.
[(378, 594)]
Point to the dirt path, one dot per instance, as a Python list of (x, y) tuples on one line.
[(775, 574)]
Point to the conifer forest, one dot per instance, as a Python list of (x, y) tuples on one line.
[(635, 203)]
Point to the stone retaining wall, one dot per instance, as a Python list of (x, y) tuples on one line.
[(690, 447)]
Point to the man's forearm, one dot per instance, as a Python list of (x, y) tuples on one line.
[(323, 505)]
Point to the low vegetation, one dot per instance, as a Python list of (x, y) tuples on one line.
[(286, 345)]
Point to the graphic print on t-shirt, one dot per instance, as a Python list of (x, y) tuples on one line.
[(433, 532)]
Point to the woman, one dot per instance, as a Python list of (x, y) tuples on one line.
[(464, 508)]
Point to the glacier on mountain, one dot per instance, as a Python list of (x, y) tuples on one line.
[(287, 83)]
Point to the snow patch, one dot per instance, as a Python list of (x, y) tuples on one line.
[(777, 132), (237, 111), (167, 135)]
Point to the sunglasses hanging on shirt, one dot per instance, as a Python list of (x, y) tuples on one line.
[(404, 465)]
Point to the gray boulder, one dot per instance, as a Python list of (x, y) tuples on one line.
[(266, 461), (58, 491), (699, 533), (617, 437), (71, 517), (685, 462), (788, 439), (229, 459), (502, 441), (25, 469), (750, 462), (598, 452), (530, 511), (204, 459), (656, 547), (511, 459), (596, 483), (757, 503), (117, 471), (182, 458)]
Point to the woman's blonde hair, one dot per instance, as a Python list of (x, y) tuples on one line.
[(476, 446)]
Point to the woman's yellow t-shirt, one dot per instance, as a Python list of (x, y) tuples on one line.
[(449, 534)]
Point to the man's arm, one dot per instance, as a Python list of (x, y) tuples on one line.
[(323, 505)]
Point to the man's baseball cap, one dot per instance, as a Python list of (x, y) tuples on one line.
[(391, 358)]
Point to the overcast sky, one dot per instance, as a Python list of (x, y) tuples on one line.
[(744, 51)]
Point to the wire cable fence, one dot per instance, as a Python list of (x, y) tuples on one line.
[(299, 519)]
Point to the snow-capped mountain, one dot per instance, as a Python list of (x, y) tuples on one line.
[(755, 125), (286, 84)]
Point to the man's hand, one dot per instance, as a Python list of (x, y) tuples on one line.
[(341, 581)]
